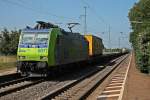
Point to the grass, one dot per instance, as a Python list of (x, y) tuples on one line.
[(7, 62)]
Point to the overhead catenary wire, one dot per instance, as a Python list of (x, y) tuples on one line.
[(21, 4)]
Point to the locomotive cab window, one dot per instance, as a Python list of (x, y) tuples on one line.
[(41, 38), (28, 38), (34, 38)]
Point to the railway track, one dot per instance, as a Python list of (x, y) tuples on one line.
[(17, 85), (115, 87), (81, 88), (9, 77), (40, 89)]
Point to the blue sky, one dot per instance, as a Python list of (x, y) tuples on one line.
[(100, 15)]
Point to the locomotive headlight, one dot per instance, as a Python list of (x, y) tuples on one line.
[(43, 57), (21, 57)]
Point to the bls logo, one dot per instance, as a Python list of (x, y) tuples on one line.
[(42, 50)]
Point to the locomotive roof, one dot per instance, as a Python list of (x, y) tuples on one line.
[(36, 30), (93, 36)]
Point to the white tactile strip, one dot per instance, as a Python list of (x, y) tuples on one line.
[(114, 90)]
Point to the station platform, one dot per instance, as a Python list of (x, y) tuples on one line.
[(138, 84)]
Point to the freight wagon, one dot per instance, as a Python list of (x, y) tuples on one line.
[(95, 45)]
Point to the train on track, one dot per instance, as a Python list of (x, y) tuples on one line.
[(47, 46)]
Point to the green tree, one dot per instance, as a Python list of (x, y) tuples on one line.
[(139, 17), (9, 41)]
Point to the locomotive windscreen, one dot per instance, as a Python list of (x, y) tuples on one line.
[(39, 40), (28, 38)]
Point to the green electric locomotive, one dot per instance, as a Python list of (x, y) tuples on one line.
[(46, 46)]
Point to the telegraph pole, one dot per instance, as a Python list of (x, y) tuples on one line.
[(85, 19), (109, 37), (85, 24)]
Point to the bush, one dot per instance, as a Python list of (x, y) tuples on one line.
[(140, 37), (9, 42)]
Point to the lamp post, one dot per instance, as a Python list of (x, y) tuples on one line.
[(119, 39), (136, 22), (119, 42)]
